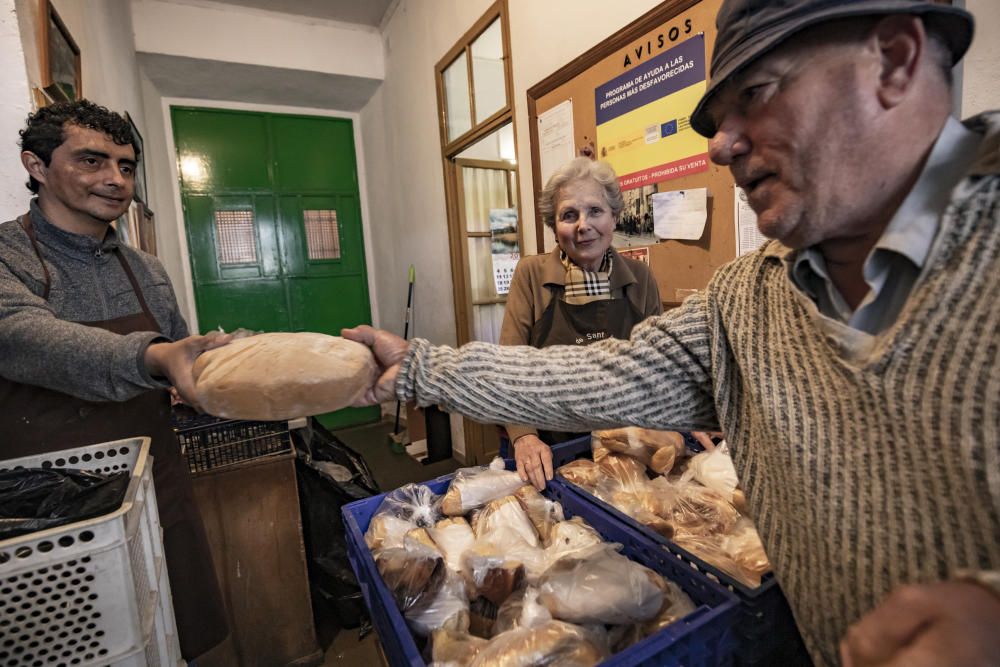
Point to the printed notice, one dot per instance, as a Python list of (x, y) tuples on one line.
[(504, 248), (748, 237), (555, 138), (680, 214)]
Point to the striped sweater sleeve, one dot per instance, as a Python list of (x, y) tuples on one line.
[(660, 378)]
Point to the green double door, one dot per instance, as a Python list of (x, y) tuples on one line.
[(273, 220)]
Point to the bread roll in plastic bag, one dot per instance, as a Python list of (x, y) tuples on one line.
[(676, 605), (521, 609), (582, 472), (491, 573), (604, 587), (410, 572), (474, 487), (572, 538), (415, 503), (386, 531), (642, 444), (553, 643), (453, 537), (715, 470), (454, 648), (542, 512), (507, 513), (699, 510), (448, 603), (743, 545), (631, 474)]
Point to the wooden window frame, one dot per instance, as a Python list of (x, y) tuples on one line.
[(451, 149)]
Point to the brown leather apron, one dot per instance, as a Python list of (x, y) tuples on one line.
[(36, 420), (581, 324)]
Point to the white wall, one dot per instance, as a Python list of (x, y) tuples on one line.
[(236, 35), (405, 177), (16, 93), (981, 69), (103, 31), (401, 132)]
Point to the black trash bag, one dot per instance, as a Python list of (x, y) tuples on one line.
[(33, 499), (330, 475)]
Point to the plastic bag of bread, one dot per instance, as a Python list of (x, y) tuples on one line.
[(453, 537), (447, 607), (582, 472), (491, 573), (743, 545), (410, 572), (552, 643), (715, 470), (676, 605), (386, 531), (628, 472), (474, 487), (454, 648), (644, 444), (603, 587), (412, 502), (571, 538), (699, 510), (510, 613), (275, 376), (542, 512), (506, 513)]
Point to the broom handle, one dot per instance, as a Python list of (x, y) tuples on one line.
[(406, 333)]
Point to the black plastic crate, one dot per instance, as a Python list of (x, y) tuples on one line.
[(209, 443)]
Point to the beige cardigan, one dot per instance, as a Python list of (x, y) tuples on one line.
[(540, 278)]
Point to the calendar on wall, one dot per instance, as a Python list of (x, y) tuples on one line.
[(504, 250)]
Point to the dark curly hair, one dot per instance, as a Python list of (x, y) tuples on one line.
[(44, 130)]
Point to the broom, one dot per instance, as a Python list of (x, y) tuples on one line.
[(397, 439)]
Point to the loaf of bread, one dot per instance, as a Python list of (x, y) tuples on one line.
[(276, 376)]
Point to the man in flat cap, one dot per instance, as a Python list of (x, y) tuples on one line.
[(852, 361)]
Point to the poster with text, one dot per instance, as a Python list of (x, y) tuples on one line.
[(504, 247), (643, 117)]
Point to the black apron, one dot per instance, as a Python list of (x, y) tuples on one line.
[(582, 324), (36, 420)]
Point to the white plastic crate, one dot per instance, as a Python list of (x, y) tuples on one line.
[(94, 592)]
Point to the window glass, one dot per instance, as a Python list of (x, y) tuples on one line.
[(456, 94), (488, 73)]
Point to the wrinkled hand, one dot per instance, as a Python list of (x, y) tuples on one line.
[(534, 460), (389, 350), (174, 361), (948, 623)]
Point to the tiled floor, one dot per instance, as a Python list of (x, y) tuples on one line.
[(391, 470)]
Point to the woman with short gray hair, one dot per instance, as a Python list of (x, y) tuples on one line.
[(581, 292)]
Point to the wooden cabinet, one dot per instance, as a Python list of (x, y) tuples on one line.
[(251, 514)]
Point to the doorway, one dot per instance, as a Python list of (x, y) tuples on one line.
[(273, 222)]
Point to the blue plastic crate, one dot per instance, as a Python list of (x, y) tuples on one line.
[(765, 628), (704, 637)]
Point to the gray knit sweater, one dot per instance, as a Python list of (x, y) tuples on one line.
[(865, 466), (39, 342)]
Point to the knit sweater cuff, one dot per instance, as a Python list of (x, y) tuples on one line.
[(406, 379)]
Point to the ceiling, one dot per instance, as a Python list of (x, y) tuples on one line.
[(364, 12)]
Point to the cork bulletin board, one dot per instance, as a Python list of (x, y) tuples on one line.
[(652, 45)]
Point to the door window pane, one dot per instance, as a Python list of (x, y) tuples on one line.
[(487, 72), (484, 189), (322, 234), (456, 95), (235, 240)]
